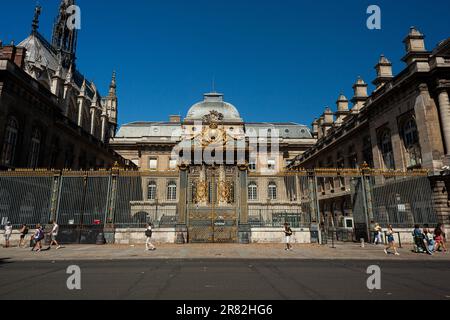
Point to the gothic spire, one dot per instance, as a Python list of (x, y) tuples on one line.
[(69, 75), (113, 85), (35, 25), (64, 39)]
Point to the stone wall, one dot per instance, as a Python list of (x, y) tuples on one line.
[(137, 236), (276, 235)]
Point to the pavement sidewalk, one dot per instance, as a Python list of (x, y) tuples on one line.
[(216, 251)]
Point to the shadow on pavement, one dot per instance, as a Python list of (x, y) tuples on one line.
[(4, 261)]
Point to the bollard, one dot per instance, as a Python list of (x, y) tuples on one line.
[(363, 245), (101, 239)]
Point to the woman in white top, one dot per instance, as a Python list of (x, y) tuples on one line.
[(8, 233)]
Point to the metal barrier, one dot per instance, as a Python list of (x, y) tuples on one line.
[(276, 218), (84, 203), (26, 199)]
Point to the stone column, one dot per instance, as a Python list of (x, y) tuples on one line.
[(181, 228), (80, 111), (92, 129), (103, 133), (440, 199), (444, 109)]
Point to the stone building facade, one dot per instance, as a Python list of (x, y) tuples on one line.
[(51, 116), (188, 161), (404, 124)]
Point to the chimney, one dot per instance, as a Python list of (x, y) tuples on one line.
[(175, 119), (328, 120), (320, 126), (19, 58), (415, 47), (384, 72), (342, 109), (360, 95), (315, 128), (14, 54)]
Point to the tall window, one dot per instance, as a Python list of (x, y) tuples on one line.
[(54, 153), (68, 157), (352, 157), (153, 164), (152, 191), (341, 165), (387, 150), (412, 145), (172, 191), (35, 149), (272, 191), (10, 142), (173, 164), (367, 151), (253, 191)]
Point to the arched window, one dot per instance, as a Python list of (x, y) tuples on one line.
[(172, 191), (35, 149), (152, 190), (253, 191), (272, 191), (412, 145), (352, 157), (387, 150), (10, 142)]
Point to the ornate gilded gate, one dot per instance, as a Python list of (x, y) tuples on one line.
[(212, 211)]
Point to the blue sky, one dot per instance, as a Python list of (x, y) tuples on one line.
[(281, 60)]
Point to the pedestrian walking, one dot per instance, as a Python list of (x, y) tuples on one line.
[(8, 233), (54, 235), (37, 238), (149, 233), (378, 230), (391, 241), (288, 235), (23, 234)]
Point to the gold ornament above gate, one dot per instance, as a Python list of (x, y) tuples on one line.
[(212, 133)]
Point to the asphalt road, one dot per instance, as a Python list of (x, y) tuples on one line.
[(224, 280)]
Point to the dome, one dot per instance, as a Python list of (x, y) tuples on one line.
[(213, 102)]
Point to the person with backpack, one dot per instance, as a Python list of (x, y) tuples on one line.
[(288, 234), (37, 238), (149, 233), (23, 233)]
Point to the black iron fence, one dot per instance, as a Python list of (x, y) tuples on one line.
[(349, 201)]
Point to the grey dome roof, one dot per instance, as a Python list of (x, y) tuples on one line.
[(214, 102)]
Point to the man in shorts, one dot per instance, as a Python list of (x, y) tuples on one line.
[(54, 235)]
